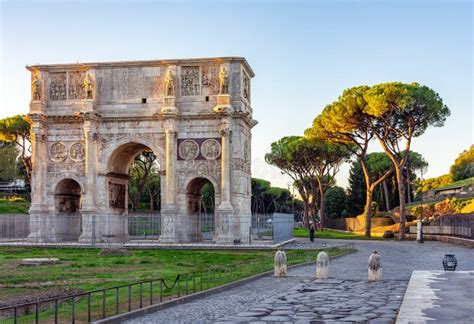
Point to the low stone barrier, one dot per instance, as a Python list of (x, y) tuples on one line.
[(356, 224)]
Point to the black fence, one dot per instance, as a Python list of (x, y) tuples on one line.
[(103, 303)]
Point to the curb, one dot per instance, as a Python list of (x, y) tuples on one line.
[(446, 239), (185, 299)]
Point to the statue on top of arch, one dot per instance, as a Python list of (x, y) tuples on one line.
[(169, 84), (88, 87), (223, 81)]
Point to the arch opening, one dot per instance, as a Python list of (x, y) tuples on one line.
[(200, 194), (134, 181), (68, 204)]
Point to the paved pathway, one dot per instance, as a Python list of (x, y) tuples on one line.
[(346, 297)]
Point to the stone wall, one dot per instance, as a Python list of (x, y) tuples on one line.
[(356, 224)]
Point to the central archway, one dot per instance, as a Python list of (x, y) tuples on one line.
[(126, 213)]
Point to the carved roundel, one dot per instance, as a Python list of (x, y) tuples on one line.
[(210, 149), (188, 150), (77, 152), (58, 152)]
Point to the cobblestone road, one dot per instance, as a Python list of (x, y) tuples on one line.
[(345, 297)]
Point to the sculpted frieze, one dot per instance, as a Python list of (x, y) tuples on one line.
[(75, 90), (188, 149), (209, 78), (211, 149), (190, 81), (116, 195), (77, 152), (199, 149), (57, 152), (57, 87), (191, 168), (246, 87)]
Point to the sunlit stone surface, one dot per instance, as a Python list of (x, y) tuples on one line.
[(90, 120)]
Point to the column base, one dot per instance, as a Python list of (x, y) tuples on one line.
[(224, 224)]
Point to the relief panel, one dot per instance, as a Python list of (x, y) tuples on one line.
[(57, 87), (210, 79), (190, 81), (75, 88), (116, 195)]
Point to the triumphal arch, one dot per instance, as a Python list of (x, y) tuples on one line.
[(89, 122)]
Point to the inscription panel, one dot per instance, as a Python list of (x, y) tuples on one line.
[(129, 83)]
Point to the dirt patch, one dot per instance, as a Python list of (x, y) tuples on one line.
[(39, 295), (114, 252)]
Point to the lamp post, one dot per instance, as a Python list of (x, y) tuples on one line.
[(420, 223)]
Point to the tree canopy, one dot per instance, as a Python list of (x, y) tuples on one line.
[(16, 129), (463, 166), (398, 113)]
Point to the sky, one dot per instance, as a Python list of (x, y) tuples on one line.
[(304, 54)]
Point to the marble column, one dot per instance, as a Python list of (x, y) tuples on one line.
[(39, 211), (168, 207), (225, 132), (88, 211), (225, 220)]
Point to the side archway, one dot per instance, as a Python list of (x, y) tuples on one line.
[(68, 205), (201, 203)]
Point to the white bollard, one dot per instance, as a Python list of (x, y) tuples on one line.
[(375, 267), (281, 269), (322, 265)]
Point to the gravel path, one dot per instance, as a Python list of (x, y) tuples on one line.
[(345, 297)]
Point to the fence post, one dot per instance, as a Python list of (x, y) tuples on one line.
[(103, 303), (88, 308), (117, 301), (73, 316), (151, 292)]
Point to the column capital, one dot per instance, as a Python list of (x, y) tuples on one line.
[(224, 128)]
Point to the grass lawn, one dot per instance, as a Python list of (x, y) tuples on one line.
[(85, 270), (14, 207), (331, 234)]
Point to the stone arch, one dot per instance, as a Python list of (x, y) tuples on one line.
[(67, 176), (108, 154), (117, 168), (211, 179), (68, 205), (201, 217)]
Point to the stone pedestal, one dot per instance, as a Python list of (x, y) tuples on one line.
[(322, 266), (375, 267), (169, 105), (281, 269), (224, 216)]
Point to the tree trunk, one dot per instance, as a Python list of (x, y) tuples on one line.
[(322, 216), (408, 188), (401, 194), (368, 197), (368, 212), (152, 200), (386, 195)]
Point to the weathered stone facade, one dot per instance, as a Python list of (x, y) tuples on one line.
[(91, 120)]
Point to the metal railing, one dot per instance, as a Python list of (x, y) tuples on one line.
[(119, 229), (106, 302)]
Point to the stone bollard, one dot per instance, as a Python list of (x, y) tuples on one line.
[(322, 265), (375, 267), (280, 264)]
